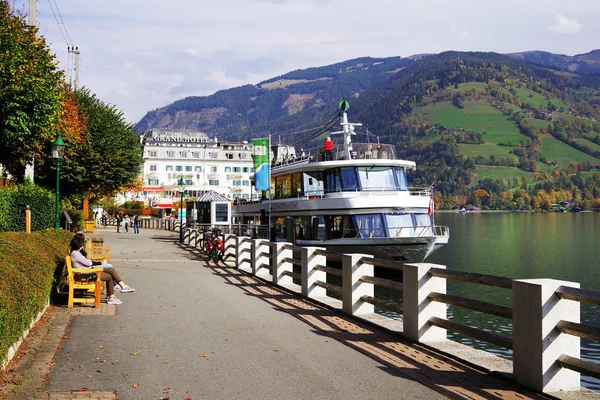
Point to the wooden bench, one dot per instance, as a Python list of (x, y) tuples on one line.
[(96, 251), (74, 284)]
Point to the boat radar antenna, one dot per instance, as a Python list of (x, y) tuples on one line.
[(347, 129)]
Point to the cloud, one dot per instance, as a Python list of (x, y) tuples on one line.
[(565, 25)]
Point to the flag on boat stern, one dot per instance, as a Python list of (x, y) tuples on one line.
[(261, 163), (431, 206)]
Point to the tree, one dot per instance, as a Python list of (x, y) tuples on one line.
[(30, 97), (105, 160)]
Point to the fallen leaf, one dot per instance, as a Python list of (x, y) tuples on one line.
[(204, 355), (136, 353), (135, 385)]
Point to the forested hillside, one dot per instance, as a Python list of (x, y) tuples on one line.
[(487, 129)]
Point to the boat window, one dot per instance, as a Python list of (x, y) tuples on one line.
[(401, 176), (313, 184), (369, 225), (296, 185), (400, 225), (349, 179), (423, 224), (332, 181), (377, 178), (338, 226), (283, 186)]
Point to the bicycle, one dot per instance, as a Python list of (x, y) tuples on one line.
[(212, 245)]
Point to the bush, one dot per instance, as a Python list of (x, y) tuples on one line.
[(14, 201), (28, 266)]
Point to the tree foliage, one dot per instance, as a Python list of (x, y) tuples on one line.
[(30, 98)]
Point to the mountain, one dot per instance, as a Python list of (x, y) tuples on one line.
[(582, 63), (236, 109), (515, 132)]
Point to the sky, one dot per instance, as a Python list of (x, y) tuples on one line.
[(139, 55)]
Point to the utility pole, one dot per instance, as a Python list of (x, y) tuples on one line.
[(75, 51), (32, 12)]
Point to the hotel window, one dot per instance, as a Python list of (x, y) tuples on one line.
[(188, 182), (243, 156), (212, 154), (170, 154), (237, 169), (213, 182), (245, 183), (183, 154), (178, 168), (153, 168), (236, 183), (188, 168), (198, 168), (229, 156), (214, 169), (153, 182), (195, 154), (245, 169), (251, 170), (198, 176), (227, 169), (169, 168), (152, 153), (169, 176)]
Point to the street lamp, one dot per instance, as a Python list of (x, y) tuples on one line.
[(182, 192), (58, 149)]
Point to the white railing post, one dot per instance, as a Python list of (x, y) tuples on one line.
[(243, 257), (537, 343), (258, 260), (230, 251), (352, 288), (279, 265), (417, 308), (309, 275)]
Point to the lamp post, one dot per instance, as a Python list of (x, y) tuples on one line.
[(182, 192), (58, 149)]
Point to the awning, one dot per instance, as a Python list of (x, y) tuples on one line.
[(164, 205), (152, 189)]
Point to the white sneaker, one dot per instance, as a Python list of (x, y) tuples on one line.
[(127, 289), (117, 287), (114, 300)]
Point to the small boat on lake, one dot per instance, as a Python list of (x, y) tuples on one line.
[(356, 201)]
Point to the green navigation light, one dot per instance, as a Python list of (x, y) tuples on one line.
[(344, 105)]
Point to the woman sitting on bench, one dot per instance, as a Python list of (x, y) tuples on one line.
[(109, 274)]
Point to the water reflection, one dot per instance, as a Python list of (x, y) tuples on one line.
[(560, 246)]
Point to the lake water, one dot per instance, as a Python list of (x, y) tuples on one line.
[(564, 246)]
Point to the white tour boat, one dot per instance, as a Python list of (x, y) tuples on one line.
[(357, 202)]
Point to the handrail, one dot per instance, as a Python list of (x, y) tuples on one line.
[(581, 366), (472, 332), (475, 305), (489, 280), (581, 330), (581, 295), (382, 303)]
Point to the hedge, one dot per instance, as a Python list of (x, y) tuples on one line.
[(29, 266), (14, 201)]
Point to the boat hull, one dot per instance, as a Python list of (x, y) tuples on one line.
[(409, 249)]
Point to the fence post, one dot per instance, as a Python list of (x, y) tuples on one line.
[(537, 343), (258, 260), (418, 308), (243, 256), (278, 264), (230, 247), (352, 288), (309, 274)]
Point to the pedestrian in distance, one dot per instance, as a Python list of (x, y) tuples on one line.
[(119, 220), (127, 221), (136, 224), (328, 149)]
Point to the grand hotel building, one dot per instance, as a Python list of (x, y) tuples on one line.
[(204, 164)]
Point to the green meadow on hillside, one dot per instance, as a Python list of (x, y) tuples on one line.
[(536, 99), (478, 116), (538, 123), (485, 150), (562, 154), (589, 144), (491, 172)]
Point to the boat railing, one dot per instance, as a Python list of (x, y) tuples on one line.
[(393, 232), (360, 151), (442, 231)]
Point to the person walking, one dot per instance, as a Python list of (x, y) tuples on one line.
[(136, 224), (127, 221), (119, 219), (328, 149)]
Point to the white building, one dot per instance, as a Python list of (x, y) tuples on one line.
[(204, 165)]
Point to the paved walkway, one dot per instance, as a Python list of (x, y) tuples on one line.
[(196, 330)]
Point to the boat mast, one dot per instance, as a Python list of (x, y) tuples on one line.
[(347, 130)]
